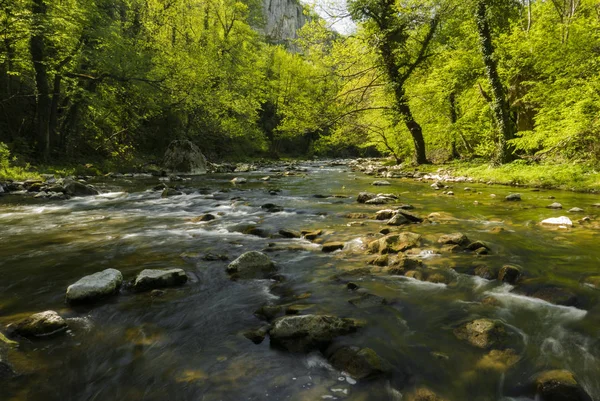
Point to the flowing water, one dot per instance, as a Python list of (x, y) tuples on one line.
[(189, 343)]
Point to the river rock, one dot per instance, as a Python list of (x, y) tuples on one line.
[(360, 363), (484, 272), (413, 218), (367, 301), (363, 197), (303, 333), (40, 325), (239, 180), (558, 221), (398, 220), (6, 370), (576, 210), (423, 394), (244, 168), (251, 264), (272, 208), (95, 286), (381, 183), (382, 199), (311, 235), (454, 239), (150, 279), (284, 232), (554, 205), (257, 336), (269, 312), (559, 385), (183, 156), (167, 192), (332, 246), (394, 243), (509, 274), (76, 188), (498, 360), (482, 333), (203, 218), (474, 246), (513, 197), (385, 214), (401, 265)]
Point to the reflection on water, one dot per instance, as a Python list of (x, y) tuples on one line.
[(189, 343)]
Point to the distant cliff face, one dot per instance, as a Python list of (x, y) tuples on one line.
[(282, 19)]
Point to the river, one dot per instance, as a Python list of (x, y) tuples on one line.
[(189, 345)]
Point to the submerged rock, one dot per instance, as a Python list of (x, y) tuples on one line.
[(203, 218), (498, 360), (239, 180), (170, 192), (95, 286), (183, 156), (304, 333), (423, 394), (289, 233), (251, 264), (509, 274), (559, 385), (272, 208), (40, 325), (150, 279), (367, 301), (482, 333), (360, 363)]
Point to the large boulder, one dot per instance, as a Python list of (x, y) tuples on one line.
[(150, 279), (303, 333), (183, 156), (95, 286), (76, 188), (559, 385), (482, 333), (251, 264), (41, 324), (360, 363)]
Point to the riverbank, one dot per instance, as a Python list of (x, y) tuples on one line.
[(563, 176)]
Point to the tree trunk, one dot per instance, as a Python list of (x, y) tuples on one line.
[(453, 118), (38, 56), (499, 104), (401, 101)]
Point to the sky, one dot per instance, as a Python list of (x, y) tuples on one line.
[(334, 12)]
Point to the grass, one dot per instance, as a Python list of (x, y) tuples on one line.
[(567, 176), (18, 173)]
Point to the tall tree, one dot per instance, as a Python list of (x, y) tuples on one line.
[(498, 101), (402, 35)]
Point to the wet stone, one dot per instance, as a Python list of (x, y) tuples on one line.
[(360, 363), (513, 197), (363, 197), (269, 312), (484, 272), (554, 205), (150, 279), (289, 233), (381, 183), (41, 324), (454, 239), (251, 264), (368, 301), (576, 210), (272, 208), (482, 333), (559, 385), (423, 394), (509, 274), (329, 247), (304, 333), (398, 220), (257, 336), (95, 286), (473, 246), (203, 218)]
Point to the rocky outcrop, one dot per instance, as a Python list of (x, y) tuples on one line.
[(41, 324), (184, 157), (95, 286), (282, 19), (304, 333), (150, 279), (251, 264)]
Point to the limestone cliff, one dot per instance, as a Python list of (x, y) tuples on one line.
[(282, 18)]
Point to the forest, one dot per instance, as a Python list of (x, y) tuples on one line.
[(420, 81)]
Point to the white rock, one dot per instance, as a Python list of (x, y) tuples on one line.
[(95, 286), (558, 221)]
